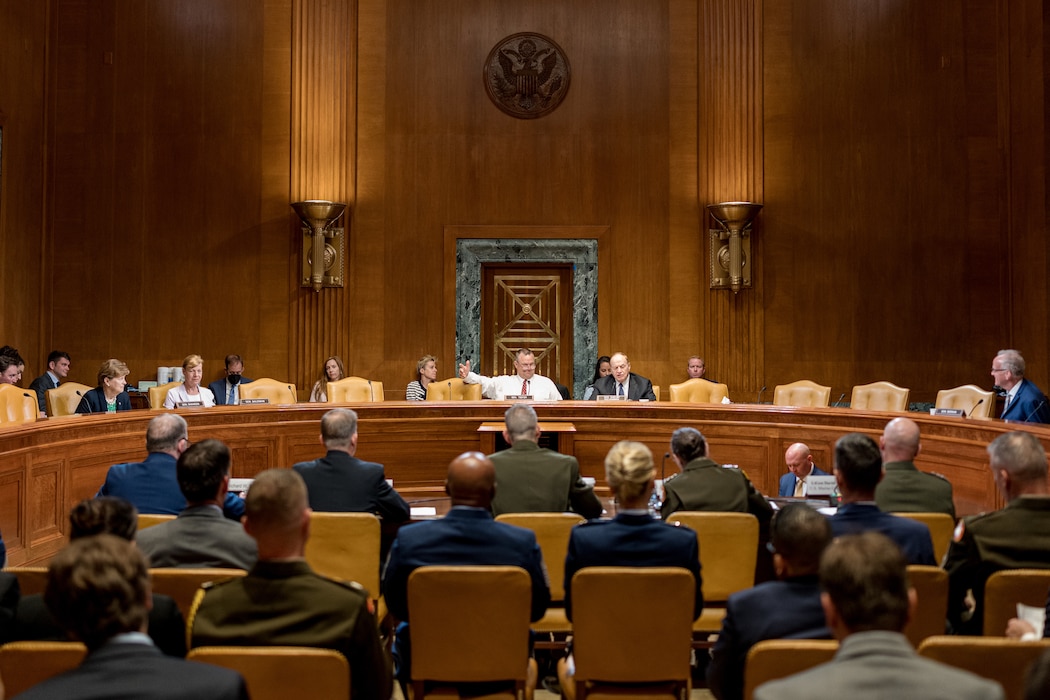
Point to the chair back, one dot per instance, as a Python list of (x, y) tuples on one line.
[(17, 405), (454, 389), (355, 390), (266, 388), (64, 399), (773, 659), (977, 402), (552, 532), (931, 587), (656, 391), (157, 394), (697, 391), (942, 528), (469, 624), (31, 579), (1002, 660), (346, 546), (277, 673), (880, 396), (801, 393), (146, 520), (1005, 589), (25, 664), (183, 584)]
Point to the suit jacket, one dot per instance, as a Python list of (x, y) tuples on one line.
[(706, 485), (787, 482), (531, 479), (152, 487), (121, 670), (1030, 405), (94, 401), (339, 483), (911, 536), (638, 387), (219, 389), (788, 609), (632, 539), (40, 385), (877, 665), (199, 538), (10, 592), (167, 629), (907, 490)]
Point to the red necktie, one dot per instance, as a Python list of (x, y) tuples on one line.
[(524, 387)]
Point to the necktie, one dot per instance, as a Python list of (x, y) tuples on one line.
[(524, 387), (799, 484), (619, 389), (232, 398)]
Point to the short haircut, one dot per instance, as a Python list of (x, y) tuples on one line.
[(201, 470), (800, 534), (192, 361), (338, 427), (97, 588), (629, 468), (111, 369), (688, 444), (276, 501), (233, 360), (859, 461), (164, 432), (1020, 454), (522, 352), (56, 355), (521, 421), (1012, 360), (866, 577), (423, 363), (103, 515)]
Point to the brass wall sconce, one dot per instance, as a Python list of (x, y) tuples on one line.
[(323, 245), (730, 246)]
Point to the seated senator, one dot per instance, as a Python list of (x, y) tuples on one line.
[(623, 382), (109, 396), (190, 391), (332, 371)]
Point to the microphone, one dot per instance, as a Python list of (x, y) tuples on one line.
[(838, 404), (663, 465), (972, 408), (760, 391), (999, 391), (371, 394), (1033, 412)]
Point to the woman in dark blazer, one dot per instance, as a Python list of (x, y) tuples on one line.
[(109, 396)]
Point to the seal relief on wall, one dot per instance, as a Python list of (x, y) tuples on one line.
[(527, 75)]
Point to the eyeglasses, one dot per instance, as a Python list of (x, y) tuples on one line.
[(999, 369)]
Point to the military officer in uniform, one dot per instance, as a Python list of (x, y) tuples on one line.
[(904, 489)]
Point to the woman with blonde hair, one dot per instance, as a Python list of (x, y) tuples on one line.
[(332, 371), (426, 372), (190, 391), (109, 396)]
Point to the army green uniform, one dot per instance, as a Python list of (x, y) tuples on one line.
[(284, 603), (1016, 537), (904, 489), (705, 485)]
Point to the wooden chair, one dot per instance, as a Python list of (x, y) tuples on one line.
[(728, 545), (977, 402), (1005, 589), (346, 546), (942, 528), (773, 659), (64, 399), (25, 664), (470, 624), (801, 393), (278, 673), (1002, 660), (146, 520), (355, 390), (454, 389), (880, 396), (697, 391), (632, 633), (17, 405), (183, 584), (656, 391), (931, 614), (266, 388), (31, 579), (157, 394)]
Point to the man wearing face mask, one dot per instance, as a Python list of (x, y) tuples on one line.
[(227, 391)]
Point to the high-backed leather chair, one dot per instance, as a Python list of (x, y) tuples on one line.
[(801, 393), (31, 579), (17, 405), (182, 584), (278, 673), (697, 391), (880, 396), (355, 390), (773, 659), (1002, 660), (1005, 589), (157, 394), (454, 389), (277, 392), (25, 664), (64, 399), (931, 587), (942, 528), (977, 402), (346, 546)]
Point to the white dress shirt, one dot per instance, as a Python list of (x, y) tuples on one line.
[(539, 388)]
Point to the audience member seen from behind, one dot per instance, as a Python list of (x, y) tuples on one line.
[(426, 372), (190, 391), (867, 602), (1037, 683), (1024, 401), (58, 365), (332, 371), (98, 591), (904, 489), (602, 368), (109, 396)]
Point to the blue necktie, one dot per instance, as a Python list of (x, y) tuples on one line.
[(232, 398), (619, 390)]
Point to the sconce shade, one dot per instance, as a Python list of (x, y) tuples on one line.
[(318, 213), (734, 216)]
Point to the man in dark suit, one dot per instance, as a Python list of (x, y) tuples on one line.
[(799, 460), (903, 487), (340, 482), (227, 391), (858, 469), (623, 382), (1025, 402), (788, 608), (97, 590), (153, 486), (531, 479), (58, 364)]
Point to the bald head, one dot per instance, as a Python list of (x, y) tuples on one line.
[(471, 480), (799, 460), (277, 514), (900, 440)]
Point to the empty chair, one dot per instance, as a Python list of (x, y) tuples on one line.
[(146, 520), (182, 584), (801, 393), (931, 614), (278, 673), (157, 394), (977, 402), (697, 391), (265, 388), (345, 546), (64, 399), (454, 389), (995, 658), (355, 390), (880, 396), (31, 579), (942, 527), (774, 659), (24, 664), (17, 405), (1005, 589)]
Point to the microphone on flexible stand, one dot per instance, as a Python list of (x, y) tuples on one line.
[(371, 394), (838, 404), (999, 391), (760, 391), (974, 407), (1035, 410)]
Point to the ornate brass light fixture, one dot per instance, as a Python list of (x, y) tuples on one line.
[(323, 245), (730, 246)]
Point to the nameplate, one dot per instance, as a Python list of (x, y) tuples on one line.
[(247, 402), (188, 404), (610, 397), (517, 397), (954, 412), (239, 484), (820, 485)]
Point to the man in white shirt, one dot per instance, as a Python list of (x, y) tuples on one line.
[(525, 382)]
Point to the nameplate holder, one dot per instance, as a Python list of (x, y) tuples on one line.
[(953, 412), (188, 404), (517, 397), (248, 402), (610, 397), (820, 485)]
